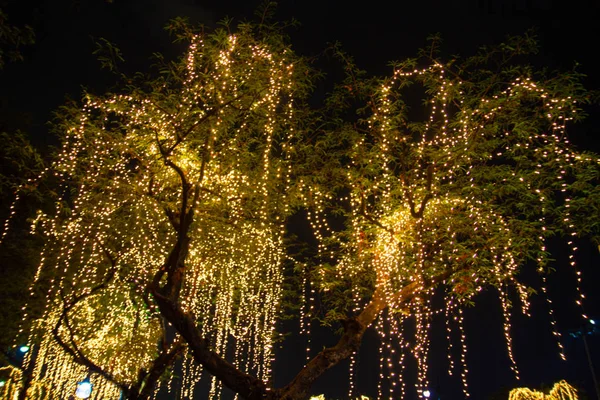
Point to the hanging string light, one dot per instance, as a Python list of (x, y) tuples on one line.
[(222, 128), (446, 199)]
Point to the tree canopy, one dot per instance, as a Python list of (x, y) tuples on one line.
[(169, 235), (454, 179)]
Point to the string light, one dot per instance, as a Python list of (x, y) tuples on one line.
[(222, 128), (560, 391), (428, 198), (429, 204)]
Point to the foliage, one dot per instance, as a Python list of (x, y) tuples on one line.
[(12, 38), (454, 177), (191, 160), (168, 237)]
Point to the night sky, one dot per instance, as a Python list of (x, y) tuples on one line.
[(375, 32)]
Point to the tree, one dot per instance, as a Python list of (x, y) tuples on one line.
[(188, 170), (454, 178), (12, 37), (167, 239)]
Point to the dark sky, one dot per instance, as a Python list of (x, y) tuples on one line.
[(374, 32)]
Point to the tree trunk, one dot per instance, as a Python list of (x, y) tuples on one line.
[(247, 386), (349, 343), (251, 388)]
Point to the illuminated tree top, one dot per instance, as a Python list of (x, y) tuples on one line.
[(560, 391)]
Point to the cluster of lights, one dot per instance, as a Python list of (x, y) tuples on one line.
[(10, 387), (560, 391), (421, 204), (121, 168), (420, 210)]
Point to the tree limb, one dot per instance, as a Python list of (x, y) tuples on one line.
[(350, 341), (247, 386), (368, 217), (74, 351)]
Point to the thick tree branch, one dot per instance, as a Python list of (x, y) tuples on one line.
[(73, 349), (247, 386), (350, 341), (411, 203), (175, 263)]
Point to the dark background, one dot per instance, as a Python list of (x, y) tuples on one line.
[(375, 32)]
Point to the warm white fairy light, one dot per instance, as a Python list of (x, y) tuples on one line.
[(307, 312), (118, 154), (448, 318), (463, 352), (351, 375), (421, 201), (573, 263), (421, 346), (506, 329), (381, 329), (11, 383), (560, 391), (396, 323)]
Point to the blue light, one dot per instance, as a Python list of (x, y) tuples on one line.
[(426, 393), (592, 322), (24, 348), (84, 389)]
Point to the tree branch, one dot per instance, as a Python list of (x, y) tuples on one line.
[(75, 352), (210, 113), (368, 217), (247, 386), (419, 214), (350, 341)]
